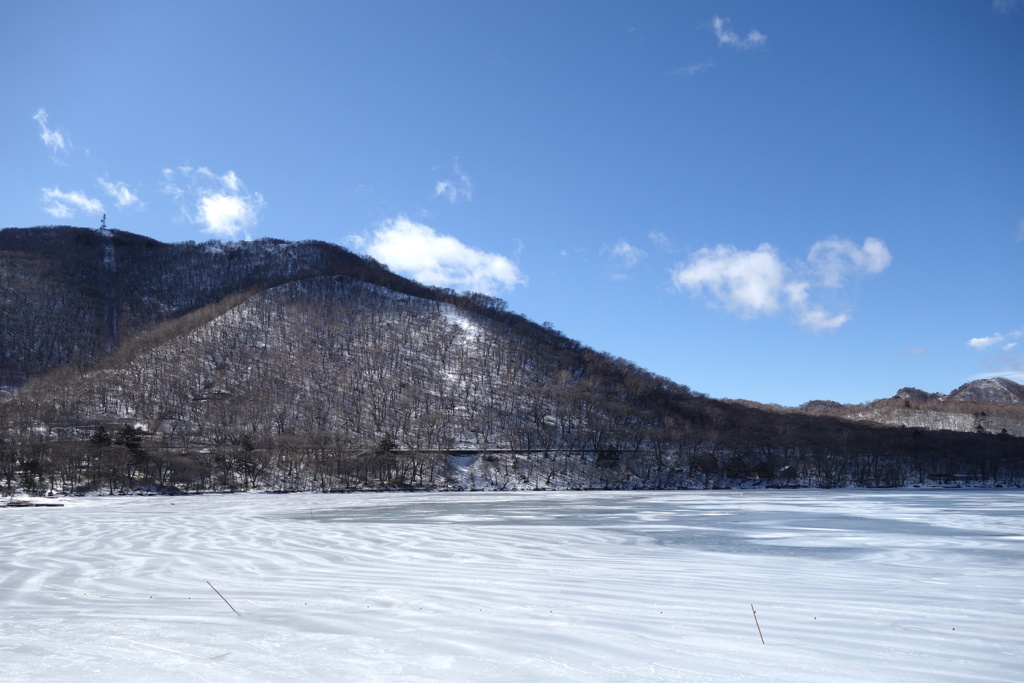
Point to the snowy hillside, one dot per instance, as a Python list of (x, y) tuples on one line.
[(994, 405), (72, 295), (992, 390), (136, 365)]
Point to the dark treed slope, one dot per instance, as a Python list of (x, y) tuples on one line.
[(71, 295), (301, 365)]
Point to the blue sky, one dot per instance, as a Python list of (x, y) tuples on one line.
[(773, 201)]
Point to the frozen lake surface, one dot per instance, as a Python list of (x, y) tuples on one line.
[(907, 585)]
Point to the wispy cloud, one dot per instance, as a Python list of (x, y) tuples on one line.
[(912, 351), (692, 69), (624, 257), (53, 139), (1001, 354), (64, 204), (626, 254), (660, 240), (221, 203), (1005, 341), (836, 259), (1006, 6), (985, 342), (120, 192), (726, 36), (170, 185), (439, 260), (454, 190), (758, 282), (818, 320)]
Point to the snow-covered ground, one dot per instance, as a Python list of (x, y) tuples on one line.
[(921, 585)]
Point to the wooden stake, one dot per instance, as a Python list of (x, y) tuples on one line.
[(755, 621), (236, 611)]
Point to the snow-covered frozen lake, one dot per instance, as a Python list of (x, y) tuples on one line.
[(908, 585)]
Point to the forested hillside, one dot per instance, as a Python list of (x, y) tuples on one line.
[(69, 296), (994, 405), (142, 365)]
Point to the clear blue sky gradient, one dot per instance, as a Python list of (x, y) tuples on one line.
[(611, 168)]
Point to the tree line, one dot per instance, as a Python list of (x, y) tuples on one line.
[(335, 383)]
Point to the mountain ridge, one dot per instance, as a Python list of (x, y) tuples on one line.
[(994, 404), (220, 366), (81, 272)]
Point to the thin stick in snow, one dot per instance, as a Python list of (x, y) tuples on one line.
[(755, 622), (236, 611)]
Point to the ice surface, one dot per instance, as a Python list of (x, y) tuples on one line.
[(549, 586)]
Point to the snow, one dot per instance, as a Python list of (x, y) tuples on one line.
[(908, 585), (471, 331), (109, 259)]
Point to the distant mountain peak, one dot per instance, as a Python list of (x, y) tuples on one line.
[(989, 390), (912, 394)]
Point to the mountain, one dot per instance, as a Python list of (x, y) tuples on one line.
[(991, 390), (994, 405), (69, 296), (994, 390), (221, 366)]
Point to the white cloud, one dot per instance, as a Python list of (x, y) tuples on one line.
[(230, 180), (64, 204), (817, 319), (660, 240), (1006, 6), (835, 259), (626, 256), (750, 282), (755, 283), (226, 215), (1008, 340), (221, 203), (170, 186), (726, 36), (985, 342), (692, 69), (120, 192), (438, 260), (1001, 354), (53, 139), (454, 190)]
